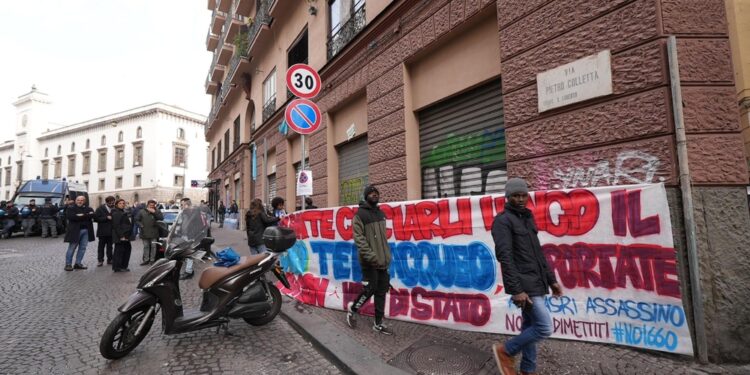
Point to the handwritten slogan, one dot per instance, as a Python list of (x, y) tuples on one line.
[(611, 250)]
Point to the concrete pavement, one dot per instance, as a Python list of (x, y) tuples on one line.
[(422, 349)]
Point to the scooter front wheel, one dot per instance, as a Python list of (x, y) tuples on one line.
[(120, 337), (275, 300)]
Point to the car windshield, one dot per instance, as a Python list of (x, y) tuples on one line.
[(24, 200), (170, 217)]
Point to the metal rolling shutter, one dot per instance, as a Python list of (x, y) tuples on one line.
[(353, 171), (271, 188), (462, 144)]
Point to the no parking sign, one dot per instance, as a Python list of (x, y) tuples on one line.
[(303, 116)]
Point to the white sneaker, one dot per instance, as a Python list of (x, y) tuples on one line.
[(351, 317), (381, 328)]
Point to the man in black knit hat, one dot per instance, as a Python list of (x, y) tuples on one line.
[(374, 259), (526, 277)]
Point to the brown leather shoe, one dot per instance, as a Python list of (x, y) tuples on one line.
[(505, 363)]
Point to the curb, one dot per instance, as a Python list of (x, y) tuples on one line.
[(347, 354)]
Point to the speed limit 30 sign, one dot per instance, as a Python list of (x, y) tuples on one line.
[(303, 81)]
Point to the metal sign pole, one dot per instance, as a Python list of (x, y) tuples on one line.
[(302, 143)]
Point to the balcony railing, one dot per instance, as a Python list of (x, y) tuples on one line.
[(261, 18), (269, 108), (347, 31)]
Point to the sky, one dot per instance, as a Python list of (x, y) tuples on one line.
[(97, 57)]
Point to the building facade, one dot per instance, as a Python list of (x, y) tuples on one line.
[(438, 98), (149, 152)]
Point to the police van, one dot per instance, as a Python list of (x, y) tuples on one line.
[(39, 190)]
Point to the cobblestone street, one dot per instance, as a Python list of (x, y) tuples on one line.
[(52, 321)]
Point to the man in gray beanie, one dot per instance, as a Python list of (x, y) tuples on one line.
[(526, 276)]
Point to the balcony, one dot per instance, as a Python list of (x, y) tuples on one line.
[(260, 26), (211, 86), (218, 72), (233, 27), (217, 22), (225, 5), (211, 4), (212, 40), (269, 108), (345, 33), (244, 7), (225, 53)]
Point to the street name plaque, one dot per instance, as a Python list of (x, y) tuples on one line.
[(580, 80)]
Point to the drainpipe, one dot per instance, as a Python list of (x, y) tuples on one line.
[(687, 203)]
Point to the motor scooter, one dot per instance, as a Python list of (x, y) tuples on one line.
[(235, 292)]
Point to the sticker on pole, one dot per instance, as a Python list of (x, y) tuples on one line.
[(304, 183), (303, 81), (303, 116)]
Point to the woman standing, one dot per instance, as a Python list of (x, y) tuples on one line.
[(79, 232), (122, 230), (257, 221)]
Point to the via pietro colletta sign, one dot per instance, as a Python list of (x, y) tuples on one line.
[(580, 80)]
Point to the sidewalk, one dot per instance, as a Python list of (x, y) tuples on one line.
[(423, 349)]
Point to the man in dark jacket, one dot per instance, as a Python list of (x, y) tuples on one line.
[(374, 258), (11, 216), (79, 232), (48, 218), (526, 277), (103, 217), (122, 230), (146, 220), (221, 211), (32, 214)]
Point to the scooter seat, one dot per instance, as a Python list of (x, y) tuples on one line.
[(213, 274)]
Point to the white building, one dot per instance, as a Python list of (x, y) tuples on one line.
[(153, 151)]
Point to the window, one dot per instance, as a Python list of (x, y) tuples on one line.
[(297, 54), (179, 181), (180, 133), (7, 176), (8, 160), (213, 158), (179, 157), (226, 143), (19, 171), (46, 152), (102, 161), (101, 184), (73, 147), (86, 183), (236, 133), (119, 136), (88, 144), (45, 169), (118, 182), (218, 154), (86, 163), (347, 19), (119, 158), (139, 132), (269, 95), (71, 165), (1, 179), (58, 167), (137, 180), (59, 151), (138, 155), (104, 140)]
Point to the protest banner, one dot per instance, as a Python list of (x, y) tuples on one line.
[(610, 248)]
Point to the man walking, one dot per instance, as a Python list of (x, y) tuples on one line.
[(122, 230), (526, 276), (374, 259), (32, 215), (221, 211), (80, 232), (11, 216), (146, 220), (48, 218), (103, 217)]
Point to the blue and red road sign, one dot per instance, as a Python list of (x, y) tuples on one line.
[(303, 116)]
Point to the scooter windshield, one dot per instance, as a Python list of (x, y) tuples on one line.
[(189, 228)]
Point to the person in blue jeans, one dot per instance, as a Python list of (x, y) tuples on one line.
[(79, 233), (527, 277)]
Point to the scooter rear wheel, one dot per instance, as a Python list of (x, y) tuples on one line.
[(119, 338), (275, 297)]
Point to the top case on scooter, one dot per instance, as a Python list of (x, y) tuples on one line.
[(211, 275)]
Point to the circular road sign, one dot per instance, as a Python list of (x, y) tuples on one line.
[(303, 116), (303, 81)]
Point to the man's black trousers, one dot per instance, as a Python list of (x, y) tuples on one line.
[(375, 282), (104, 241)]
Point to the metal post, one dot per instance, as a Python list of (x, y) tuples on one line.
[(302, 143), (687, 203)]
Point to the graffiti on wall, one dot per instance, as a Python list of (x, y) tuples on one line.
[(629, 167), (610, 248), (469, 164), (350, 190)]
